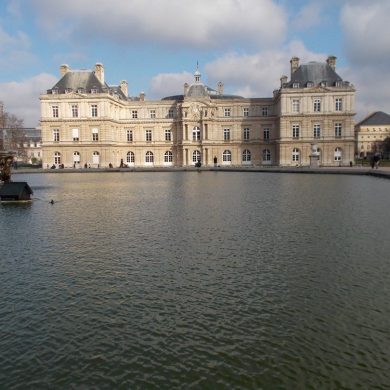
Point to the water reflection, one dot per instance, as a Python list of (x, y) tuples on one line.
[(168, 280)]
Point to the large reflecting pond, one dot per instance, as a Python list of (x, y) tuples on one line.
[(199, 280)]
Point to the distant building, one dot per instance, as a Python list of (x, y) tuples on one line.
[(371, 130), (25, 142), (86, 121)]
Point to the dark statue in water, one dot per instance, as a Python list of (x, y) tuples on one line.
[(6, 160)]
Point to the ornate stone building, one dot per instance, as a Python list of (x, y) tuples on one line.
[(370, 131), (84, 121)]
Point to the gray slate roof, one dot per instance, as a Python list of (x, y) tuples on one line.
[(86, 81), (377, 118), (201, 90), (315, 72)]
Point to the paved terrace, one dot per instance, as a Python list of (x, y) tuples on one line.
[(383, 172)]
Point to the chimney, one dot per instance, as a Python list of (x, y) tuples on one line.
[(283, 80), (124, 87), (331, 61), (294, 64), (64, 68), (99, 72), (142, 96), (220, 88), (186, 86)]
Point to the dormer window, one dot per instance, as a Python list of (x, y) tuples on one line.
[(339, 83), (54, 91), (295, 84), (323, 83), (93, 90), (80, 90), (310, 84), (68, 90)]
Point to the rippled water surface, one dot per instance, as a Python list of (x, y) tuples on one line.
[(207, 280)]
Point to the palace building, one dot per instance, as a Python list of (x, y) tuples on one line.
[(370, 131), (87, 122)]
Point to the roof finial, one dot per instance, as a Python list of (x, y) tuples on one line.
[(197, 73)]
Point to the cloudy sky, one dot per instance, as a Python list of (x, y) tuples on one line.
[(155, 45)]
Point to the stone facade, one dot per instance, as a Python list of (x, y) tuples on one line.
[(86, 122), (370, 131)]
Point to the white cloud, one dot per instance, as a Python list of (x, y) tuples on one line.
[(15, 50), (259, 74), (309, 16), (366, 36), (168, 84), (175, 23), (367, 46), (22, 98), (254, 75)]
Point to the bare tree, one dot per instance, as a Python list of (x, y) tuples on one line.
[(12, 132)]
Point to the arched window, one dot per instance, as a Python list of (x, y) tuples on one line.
[(95, 158), (149, 158), (195, 156), (246, 156), (196, 133), (130, 157), (57, 158), (338, 154), (76, 157), (168, 157), (227, 157), (266, 155), (295, 155)]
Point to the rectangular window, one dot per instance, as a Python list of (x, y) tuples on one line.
[(75, 134), (317, 105), (317, 131), (295, 105), (338, 129), (339, 104), (75, 111), (264, 111), (295, 131), (245, 111), (168, 135), (246, 133), (129, 134), (56, 135), (95, 135), (170, 113), (266, 134), (227, 112), (226, 134), (196, 134), (94, 110), (134, 114), (148, 135), (152, 114), (55, 111)]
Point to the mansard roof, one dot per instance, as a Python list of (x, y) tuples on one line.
[(377, 118), (202, 91), (199, 90), (76, 80), (316, 73), (84, 81)]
